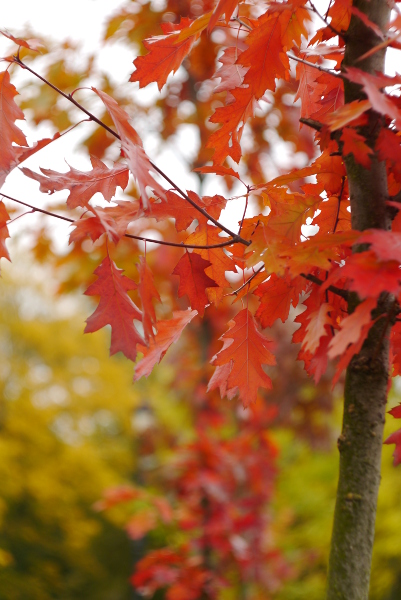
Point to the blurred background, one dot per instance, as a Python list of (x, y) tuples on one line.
[(115, 491)]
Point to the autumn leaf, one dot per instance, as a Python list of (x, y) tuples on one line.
[(166, 52), (224, 7), (193, 280), (9, 132), (220, 262), (316, 329), (372, 85), (4, 217), (356, 144), (115, 308), (351, 328), (147, 293), (31, 43), (168, 332), (368, 276), (82, 184), (276, 297), (395, 438), (347, 113), (247, 350), (131, 144)]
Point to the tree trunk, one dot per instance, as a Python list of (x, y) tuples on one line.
[(365, 393)]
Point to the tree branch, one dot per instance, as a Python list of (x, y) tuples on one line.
[(249, 280), (127, 235), (324, 19), (318, 67), (236, 238), (332, 288)]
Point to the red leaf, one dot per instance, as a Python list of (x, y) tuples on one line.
[(166, 52), (4, 217), (31, 44), (395, 438), (276, 297), (316, 329), (247, 349), (9, 132), (356, 144), (351, 328), (115, 308), (368, 276), (224, 7), (372, 85), (168, 332), (131, 144), (193, 280), (147, 293), (82, 184)]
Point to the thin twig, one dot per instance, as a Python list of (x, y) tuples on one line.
[(241, 23), (249, 280), (338, 291), (92, 117), (246, 206), (318, 67), (127, 235), (339, 204), (311, 123), (324, 19)]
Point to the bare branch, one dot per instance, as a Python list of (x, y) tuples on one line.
[(127, 235), (318, 67)]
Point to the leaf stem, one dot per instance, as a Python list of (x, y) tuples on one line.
[(236, 238)]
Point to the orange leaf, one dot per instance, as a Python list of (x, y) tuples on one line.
[(4, 217), (220, 262), (316, 329), (276, 297), (351, 328), (347, 113), (193, 280), (224, 7), (115, 308), (82, 184), (166, 52), (247, 349), (131, 144), (168, 332), (356, 144), (9, 132)]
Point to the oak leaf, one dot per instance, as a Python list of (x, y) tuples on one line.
[(131, 144), (166, 52), (82, 184), (4, 217), (351, 328), (246, 349), (115, 308), (193, 280), (168, 332), (9, 132), (356, 144)]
